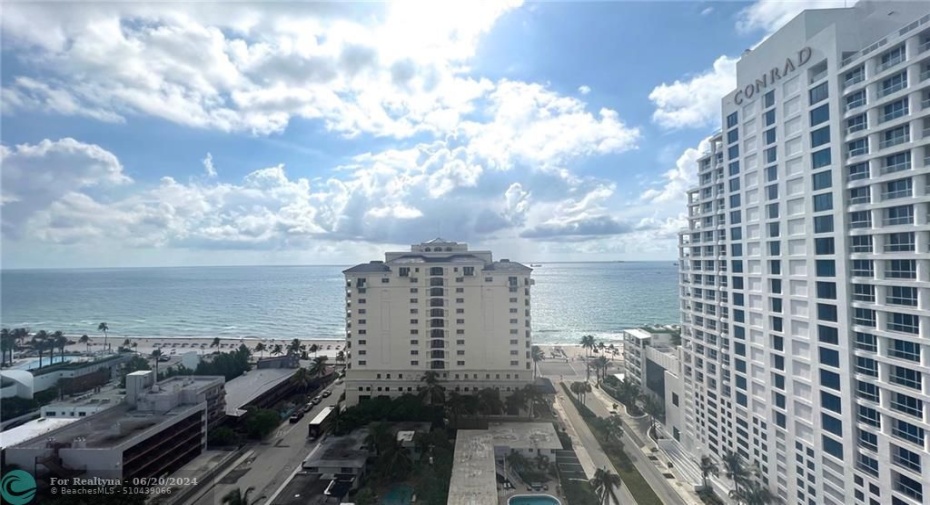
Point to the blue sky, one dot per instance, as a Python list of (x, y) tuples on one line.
[(211, 134)]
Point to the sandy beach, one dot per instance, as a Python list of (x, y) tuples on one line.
[(181, 345)]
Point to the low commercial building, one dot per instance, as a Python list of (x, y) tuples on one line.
[(155, 431), (260, 388), (653, 363), (72, 376), (339, 458), (83, 405)]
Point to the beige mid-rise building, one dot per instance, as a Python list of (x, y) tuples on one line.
[(438, 307)]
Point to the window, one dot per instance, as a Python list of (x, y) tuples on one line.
[(827, 334), (821, 158), (858, 147), (891, 58), (864, 293), (826, 268), (903, 457), (735, 217), (900, 269), (863, 268), (734, 167), (830, 357), (907, 431), (820, 137), (734, 201), (769, 117), (859, 171), (733, 152), (860, 219), (905, 350), (732, 136), (903, 214), (893, 84), (824, 246), (896, 162), (854, 76), (819, 93), (770, 155), (832, 425), (768, 99), (866, 366), (868, 391), (826, 312), (734, 184), (861, 243), (771, 192), (897, 189), (868, 441), (900, 242), (823, 224), (901, 295), (904, 323), (853, 100), (869, 416), (770, 136), (819, 115), (905, 377), (826, 290), (856, 123), (732, 120), (895, 136), (864, 317), (823, 202), (831, 402), (774, 248), (895, 109)]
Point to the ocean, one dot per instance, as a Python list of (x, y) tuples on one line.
[(569, 300)]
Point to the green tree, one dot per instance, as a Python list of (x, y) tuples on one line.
[(515, 402), (654, 409), (537, 355), (216, 343), (105, 328), (600, 366), (753, 493), (260, 347), (314, 348), (341, 357), (735, 469), (604, 483), (581, 390), (6, 345), (365, 496), (277, 349), (237, 497), (379, 437), (302, 379), (86, 341), (294, 346), (587, 342), (318, 366), (40, 344), (489, 402), (432, 392), (259, 423), (708, 467)]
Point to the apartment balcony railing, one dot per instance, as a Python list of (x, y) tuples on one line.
[(852, 81), (897, 167), (890, 63), (855, 104), (859, 200), (860, 224), (895, 221), (901, 193), (900, 139), (892, 89), (925, 132), (893, 115), (925, 75), (855, 128), (857, 152), (925, 46), (818, 76)]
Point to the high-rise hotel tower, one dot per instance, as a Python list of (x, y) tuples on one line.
[(805, 268), (438, 307)]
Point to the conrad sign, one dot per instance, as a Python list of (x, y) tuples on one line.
[(772, 76)]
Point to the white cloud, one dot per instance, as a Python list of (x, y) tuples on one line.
[(695, 101), (770, 15), (679, 179), (707, 11), (208, 166), (584, 90)]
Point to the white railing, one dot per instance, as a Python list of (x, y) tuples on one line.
[(894, 115), (925, 46), (925, 75), (925, 103), (897, 167), (890, 63), (900, 139), (852, 81), (901, 193), (854, 128), (853, 105), (859, 200), (892, 89), (857, 152)]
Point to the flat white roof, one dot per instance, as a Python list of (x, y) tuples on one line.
[(251, 385), (524, 435), (322, 415), (474, 480), (32, 429)]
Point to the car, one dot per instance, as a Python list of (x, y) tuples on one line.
[(316, 400), (297, 416), (327, 393), (164, 358)]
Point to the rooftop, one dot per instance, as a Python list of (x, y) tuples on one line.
[(344, 452), (474, 480), (524, 435), (32, 429), (249, 386), (108, 428)]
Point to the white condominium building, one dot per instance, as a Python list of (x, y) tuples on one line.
[(438, 307), (805, 268)]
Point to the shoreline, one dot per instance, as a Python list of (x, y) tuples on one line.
[(204, 345)]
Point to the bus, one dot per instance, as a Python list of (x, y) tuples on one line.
[(321, 423)]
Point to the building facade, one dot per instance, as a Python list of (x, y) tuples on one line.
[(805, 268), (442, 308)]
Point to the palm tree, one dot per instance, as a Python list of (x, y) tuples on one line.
[(365, 496), (600, 366), (581, 390), (294, 346), (104, 327), (587, 342), (628, 391), (318, 366), (532, 396), (753, 493), (126, 343), (433, 392), (156, 354), (216, 342), (302, 379), (708, 467), (277, 349), (86, 341), (654, 408), (516, 401), (6, 344), (379, 437), (341, 357), (314, 348), (489, 401), (261, 348), (60, 341), (456, 406), (237, 497), (40, 343), (604, 482), (538, 355), (735, 469)]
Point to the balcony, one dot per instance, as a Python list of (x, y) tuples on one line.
[(925, 75), (899, 139), (860, 224), (893, 88), (859, 200), (923, 47), (895, 221), (852, 81), (437, 365), (859, 151), (854, 104), (901, 193), (925, 103), (897, 167), (855, 128), (894, 115), (890, 63)]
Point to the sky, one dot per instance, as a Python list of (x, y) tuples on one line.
[(202, 133)]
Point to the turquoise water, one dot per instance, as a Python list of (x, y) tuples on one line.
[(398, 495), (533, 500), (569, 300), (29, 365)]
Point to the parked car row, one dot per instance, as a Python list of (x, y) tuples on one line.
[(299, 413)]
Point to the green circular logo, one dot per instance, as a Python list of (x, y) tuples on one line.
[(18, 487)]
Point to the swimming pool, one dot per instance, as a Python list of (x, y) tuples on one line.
[(398, 495), (534, 499), (31, 365)]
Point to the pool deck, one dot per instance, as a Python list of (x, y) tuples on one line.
[(505, 496)]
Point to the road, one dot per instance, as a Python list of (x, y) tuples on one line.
[(591, 452), (575, 371), (273, 461)]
